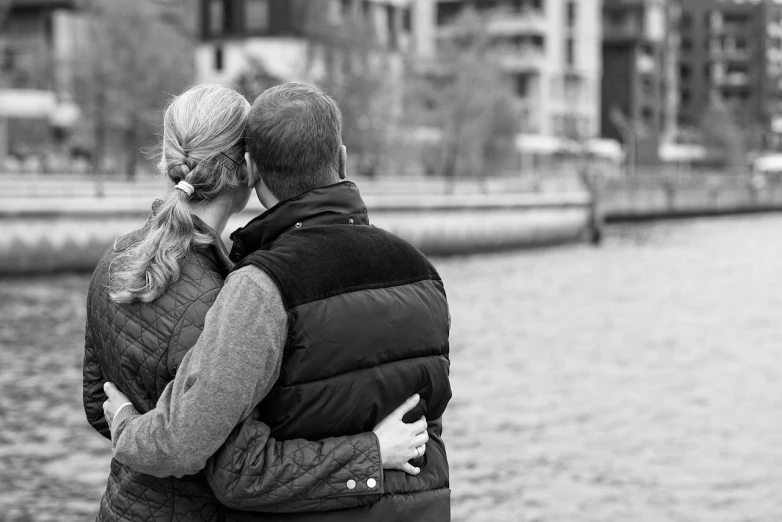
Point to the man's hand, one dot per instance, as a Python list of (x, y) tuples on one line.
[(117, 401)]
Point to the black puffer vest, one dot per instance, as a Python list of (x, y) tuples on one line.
[(138, 347), (368, 327)]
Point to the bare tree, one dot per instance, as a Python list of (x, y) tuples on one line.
[(133, 60), (466, 96), (722, 136), (255, 78), (349, 60)]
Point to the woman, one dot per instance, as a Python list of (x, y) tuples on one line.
[(150, 293)]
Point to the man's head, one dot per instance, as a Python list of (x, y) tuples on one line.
[(294, 137)]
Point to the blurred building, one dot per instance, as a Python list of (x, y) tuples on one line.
[(549, 49), (731, 53), (30, 36), (36, 69), (283, 36), (639, 95)]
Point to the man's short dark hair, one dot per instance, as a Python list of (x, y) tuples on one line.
[(294, 137)]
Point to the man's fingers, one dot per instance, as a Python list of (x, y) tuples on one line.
[(406, 406), (418, 426), (410, 470), (421, 438)]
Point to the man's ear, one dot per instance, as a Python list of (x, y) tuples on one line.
[(343, 162), (252, 173)]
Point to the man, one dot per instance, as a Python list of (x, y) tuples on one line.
[(348, 319)]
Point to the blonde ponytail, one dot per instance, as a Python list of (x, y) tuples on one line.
[(202, 128)]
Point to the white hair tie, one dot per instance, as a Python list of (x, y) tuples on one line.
[(185, 187)]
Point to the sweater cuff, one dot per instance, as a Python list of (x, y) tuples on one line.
[(126, 412)]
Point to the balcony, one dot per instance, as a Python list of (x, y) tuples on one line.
[(507, 23), (735, 79), (628, 30), (510, 23), (521, 58), (43, 4)]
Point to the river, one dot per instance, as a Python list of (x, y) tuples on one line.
[(641, 380)]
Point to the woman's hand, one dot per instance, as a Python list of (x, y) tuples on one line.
[(400, 442)]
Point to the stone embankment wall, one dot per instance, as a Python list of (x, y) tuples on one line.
[(649, 198), (44, 234), (54, 227)]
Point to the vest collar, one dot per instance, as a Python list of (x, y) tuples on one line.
[(338, 204)]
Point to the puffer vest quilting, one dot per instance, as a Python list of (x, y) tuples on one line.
[(368, 326), (139, 347)]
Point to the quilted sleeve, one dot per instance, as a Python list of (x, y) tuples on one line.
[(254, 472), (92, 385)]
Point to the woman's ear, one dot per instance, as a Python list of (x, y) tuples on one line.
[(252, 172)]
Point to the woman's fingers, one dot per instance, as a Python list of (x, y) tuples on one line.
[(406, 406), (410, 469)]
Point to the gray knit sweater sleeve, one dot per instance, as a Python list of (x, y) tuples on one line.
[(230, 369)]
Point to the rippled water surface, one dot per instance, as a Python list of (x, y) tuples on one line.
[(639, 381)]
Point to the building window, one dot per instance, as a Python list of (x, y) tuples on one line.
[(685, 22), (570, 51), (521, 85), (686, 45), (647, 85), (216, 17), (446, 13), (571, 14), (407, 19), (257, 15), (392, 27), (684, 72), (218, 58), (685, 96), (648, 116)]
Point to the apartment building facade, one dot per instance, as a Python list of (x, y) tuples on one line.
[(282, 35), (639, 96), (37, 50), (731, 53), (549, 51)]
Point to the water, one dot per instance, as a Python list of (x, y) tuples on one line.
[(637, 381)]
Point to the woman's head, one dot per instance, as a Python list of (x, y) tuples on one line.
[(203, 145), (203, 141)]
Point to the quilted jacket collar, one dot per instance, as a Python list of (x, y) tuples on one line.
[(338, 204), (216, 252)]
